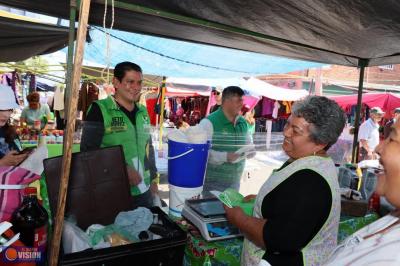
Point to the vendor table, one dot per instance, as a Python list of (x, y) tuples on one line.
[(54, 149)]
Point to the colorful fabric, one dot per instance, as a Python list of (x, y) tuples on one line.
[(199, 252), (267, 106), (12, 182), (319, 248), (349, 225)]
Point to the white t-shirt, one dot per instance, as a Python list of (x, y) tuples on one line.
[(382, 249), (369, 131)]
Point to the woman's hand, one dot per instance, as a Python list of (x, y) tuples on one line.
[(235, 215), (249, 198), (13, 158)]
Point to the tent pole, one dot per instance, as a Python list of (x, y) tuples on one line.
[(70, 54), (71, 117), (161, 123), (362, 63)]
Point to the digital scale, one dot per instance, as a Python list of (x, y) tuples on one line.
[(208, 215)]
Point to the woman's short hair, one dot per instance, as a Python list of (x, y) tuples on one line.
[(326, 117), (33, 97)]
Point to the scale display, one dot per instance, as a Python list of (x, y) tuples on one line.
[(208, 209), (208, 215)]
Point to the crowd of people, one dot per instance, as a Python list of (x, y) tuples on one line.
[(296, 214)]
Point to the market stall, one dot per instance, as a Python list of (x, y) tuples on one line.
[(175, 22), (275, 106)]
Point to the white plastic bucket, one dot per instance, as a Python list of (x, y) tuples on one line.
[(177, 197)]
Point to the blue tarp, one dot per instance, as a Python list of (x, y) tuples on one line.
[(166, 57)]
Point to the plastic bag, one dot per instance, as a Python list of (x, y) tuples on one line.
[(99, 235), (74, 238), (134, 222), (177, 136), (34, 162), (196, 135)]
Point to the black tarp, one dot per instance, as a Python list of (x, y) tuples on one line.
[(20, 40), (329, 31)]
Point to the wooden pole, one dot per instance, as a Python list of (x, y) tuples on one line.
[(160, 144), (68, 139), (70, 54)]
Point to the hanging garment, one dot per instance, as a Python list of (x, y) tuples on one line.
[(58, 99), (288, 107), (267, 107), (276, 109), (87, 95), (150, 105)]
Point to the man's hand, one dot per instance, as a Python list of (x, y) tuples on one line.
[(154, 188), (133, 176), (235, 215), (13, 158), (231, 157)]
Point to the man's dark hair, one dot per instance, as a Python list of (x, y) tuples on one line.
[(121, 68), (232, 91)]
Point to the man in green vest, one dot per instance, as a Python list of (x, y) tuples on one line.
[(121, 120), (228, 132)]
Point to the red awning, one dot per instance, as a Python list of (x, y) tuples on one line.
[(387, 101)]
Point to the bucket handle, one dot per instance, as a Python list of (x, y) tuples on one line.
[(180, 155)]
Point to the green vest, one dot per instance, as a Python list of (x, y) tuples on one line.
[(118, 130), (228, 138)]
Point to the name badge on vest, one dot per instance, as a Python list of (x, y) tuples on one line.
[(117, 124)]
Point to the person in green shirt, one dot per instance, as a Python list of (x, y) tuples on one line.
[(121, 120), (36, 111), (228, 132)]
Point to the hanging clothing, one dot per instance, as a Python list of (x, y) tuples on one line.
[(267, 107), (58, 104), (150, 105), (276, 109), (88, 93), (288, 106)]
